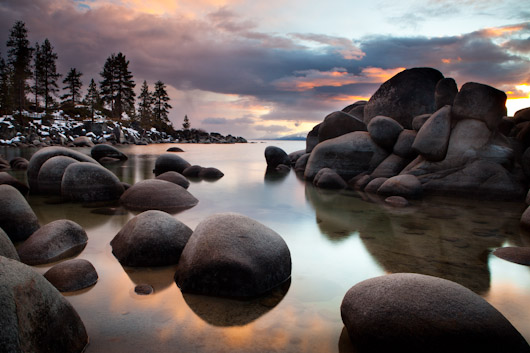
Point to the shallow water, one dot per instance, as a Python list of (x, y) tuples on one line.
[(336, 240)]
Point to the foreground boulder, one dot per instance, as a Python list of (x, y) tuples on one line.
[(34, 316), (7, 249), (433, 137), (19, 163), (17, 218), (72, 275), (274, 156), (153, 238), (51, 173), (155, 194), (8, 179), (170, 162), (176, 178), (402, 185), (233, 255), (328, 179), (417, 313), (87, 182), (106, 151), (518, 255), (55, 241)]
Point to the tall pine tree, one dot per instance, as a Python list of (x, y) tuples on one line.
[(37, 82), (93, 98), (117, 87), (48, 75), (19, 57), (161, 107), (6, 103), (72, 87), (145, 106)]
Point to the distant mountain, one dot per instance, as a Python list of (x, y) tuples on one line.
[(300, 136)]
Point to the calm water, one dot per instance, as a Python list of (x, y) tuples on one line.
[(335, 239)]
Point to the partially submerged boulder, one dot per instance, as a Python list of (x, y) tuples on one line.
[(405, 185), (175, 178), (170, 162), (88, 182), (210, 173), (328, 179), (17, 218), (72, 275), (107, 151), (8, 179), (51, 173), (275, 156)]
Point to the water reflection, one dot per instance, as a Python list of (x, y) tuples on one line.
[(273, 176), (159, 278)]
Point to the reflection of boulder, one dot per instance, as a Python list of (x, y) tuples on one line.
[(159, 278), (232, 312)]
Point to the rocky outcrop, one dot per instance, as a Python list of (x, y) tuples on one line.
[(17, 218), (72, 275), (88, 182), (412, 313), (518, 255)]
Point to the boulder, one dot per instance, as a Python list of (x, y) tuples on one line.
[(418, 121), (312, 138), (83, 141), (8, 179), (42, 155), (433, 137), (391, 166), (7, 249), (408, 94), (522, 115), (360, 181), (4, 164), (175, 178), (301, 163), (414, 313), (525, 218), (337, 124), (192, 171), (174, 149), (34, 316), (384, 131), (518, 255), (55, 241), (88, 182), (107, 151), (445, 92), (233, 255), (293, 156), (405, 185), (152, 238), (19, 163), (356, 109), (466, 138), (481, 102), (17, 218), (506, 125), (373, 185), (210, 173), (397, 201), (328, 179), (154, 194), (51, 173), (403, 146), (275, 156), (348, 155), (72, 275), (170, 162)]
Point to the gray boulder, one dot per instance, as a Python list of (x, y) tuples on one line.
[(210, 173), (384, 131), (175, 178), (7, 249), (373, 185), (34, 316), (356, 109), (152, 238), (337, 124), (17, 218), (433, 137), (403, 146), (55, 241), (107, 151), (87, 182), (525, 218), (312, 138), (445, 92), (418, 121), (293, 156), (233, 255), (154, 194), (518, 255), (83, 141), (174, 149), (392, 165), (328, 179), (408, 94), (301, 163), (8, 179), (275, 156), (170, 162), (192, 171), (72, 275), (415, 313), (348, 155), (405, 185), (466, 138), (51, 173), (19, 163)]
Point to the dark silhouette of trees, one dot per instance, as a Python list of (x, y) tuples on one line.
[(47, 76), (161, 107), (117, 86), (145, 106), (6, 102), (72, 86), (186, 124), (93, 98)]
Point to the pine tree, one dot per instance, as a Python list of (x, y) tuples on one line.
[(37, 68), (48, 75), (186, 124), (19, 60), (73, 87), (145, 106), (6, 104), (93, 98), (117, 87), (161, 106)]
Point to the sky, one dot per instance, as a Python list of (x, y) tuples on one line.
[(278, 67)]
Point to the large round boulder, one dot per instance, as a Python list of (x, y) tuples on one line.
[(17, 218), (384, 131), (8, 179), (152, 238), (408, 94), (88, 182), (7, 249), (466, 138), (403, 146), (445, 92), (233, 255), (337, 124), (107, 151), (83, 141), (72, 275), (405, 185), (415, 313), (155, 194), (34, 316), (54, 241), (19, 163), (274, 156), (51, 173), (210, 173), (170, 162), (175, 178), (391, 166), (312, 138), (433, 137), (42, 155)]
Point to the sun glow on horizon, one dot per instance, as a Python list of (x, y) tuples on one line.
[(519, 99)]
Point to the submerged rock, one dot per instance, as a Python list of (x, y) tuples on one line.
[(72, 275), (170, 162), (51, 174), (106, 151), (7, 179), (210, 173), (17, 218), (89, 182)]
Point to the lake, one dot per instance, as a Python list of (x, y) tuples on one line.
[(336, 239)]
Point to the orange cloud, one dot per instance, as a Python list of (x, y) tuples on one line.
[(501, 31)]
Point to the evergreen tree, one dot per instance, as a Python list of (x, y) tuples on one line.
[(186, 124), (93, 98), (6, 104), (73, 87), (117, 87), (145, 106), (48, 75), (19, 60), (161, 106), (37, 68)]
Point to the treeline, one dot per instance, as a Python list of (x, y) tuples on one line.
[(29, 81)]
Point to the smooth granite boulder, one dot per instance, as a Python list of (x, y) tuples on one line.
[(328, 179), (466, 138), (170, 162), (294, 156), (174, 149), (54, 241), (518, 255), (192, 171), (83, 141), (445, 92), (42, 155), (233, 255), (175, 178), (301, 163), (51, 174), (155, 194), (7, 249), (19, 163), (384, 131), (433, 137), (275, 156), (337, 124), (405, 185), (8, 179), (152, 238), (356, 109), (525, 218), (17, 218), (408, 94), (210, 173), (72, 275), (403, 146), (107, 151), (391, 166), (34, 316), (312, 138), (481, 102), (415, 313), (418, 121), (373, 185), (88, 182)]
